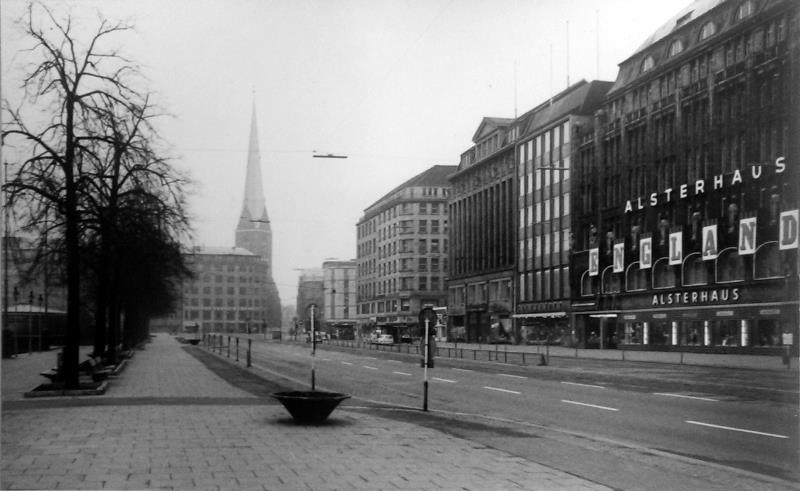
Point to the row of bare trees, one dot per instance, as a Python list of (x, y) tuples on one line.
[(92, 173)]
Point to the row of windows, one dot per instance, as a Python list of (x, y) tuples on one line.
[(228, 315), (553, 208), (224, 302), (406, 246), (544, 144), (402, 209), (402, 305), (219, 290), (405, 283), (223, 266), (548, 284), (206, 278), (484, 292), (549, 245)]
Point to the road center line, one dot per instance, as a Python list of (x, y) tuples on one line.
[(402, 373), (585, 385), (370, 358), (510, 376), (346, 363), (736, 429), (325, 359), (463, 369), (501, 390), (590, 405), (369, 367), (394, 361), (444, 380), (685, 396)]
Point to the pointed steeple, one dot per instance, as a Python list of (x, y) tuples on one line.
[(254, 205)]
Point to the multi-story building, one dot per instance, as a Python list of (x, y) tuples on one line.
[(309, 292), (544, 156), (483, 236), (227, 293), (402, 253), (686, 221), (339, 298)]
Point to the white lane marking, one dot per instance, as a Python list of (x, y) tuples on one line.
[(590, 405), (325, 359), (402, 373), (346, 363), (501, 390), (394, 361), (736, 429), (510, 376), (369, 367), (685, 396), (584, 385), (370, 358), (444, 380), (463, 369)]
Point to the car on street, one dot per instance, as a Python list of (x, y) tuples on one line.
[(405, 338), (385, 339)]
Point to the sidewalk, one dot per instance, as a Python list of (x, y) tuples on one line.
[(168, 422)]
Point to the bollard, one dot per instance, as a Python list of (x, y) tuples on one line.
[(229, 346), (237, 350), (523, 358), (505, 356), (249, 348)]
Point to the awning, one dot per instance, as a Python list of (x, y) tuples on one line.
[(551, 315)]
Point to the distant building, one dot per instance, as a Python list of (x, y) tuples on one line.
[(339, 298), (482, 212), (309, 292), (402, 244), (254, 232), (34, 299), (227, 293)]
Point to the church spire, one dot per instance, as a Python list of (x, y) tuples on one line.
[(254, 207)]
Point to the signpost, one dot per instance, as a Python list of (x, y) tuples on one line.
[(426, 316), (313, 309)]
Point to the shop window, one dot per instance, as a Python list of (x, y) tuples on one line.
[(588, 285), (634, 333), (691, 333), (730, 266), (612, 282), (767, 262), (636, 279), (725, 332), (660, 333), (664, 275), (695, 271), (766, 333)]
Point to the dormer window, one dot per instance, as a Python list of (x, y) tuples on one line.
[(675, 48), (648, 64), (745, 9), (708, 30)]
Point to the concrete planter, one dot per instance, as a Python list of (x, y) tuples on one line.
[(310, 406)]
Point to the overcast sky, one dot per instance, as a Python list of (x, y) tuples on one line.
[(398, 86)]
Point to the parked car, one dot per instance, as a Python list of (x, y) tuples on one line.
[(405, 338), (385, 339)]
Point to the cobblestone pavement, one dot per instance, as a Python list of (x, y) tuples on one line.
[(168, 422)]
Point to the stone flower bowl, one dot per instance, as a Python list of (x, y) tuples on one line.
[(309, 406)]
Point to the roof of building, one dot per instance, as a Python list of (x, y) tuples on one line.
[(683, 17), (488, 125), (630, 68), (435, 176), (579, 98), (220, 251)]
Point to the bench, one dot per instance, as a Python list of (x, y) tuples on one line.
[(94, 367)]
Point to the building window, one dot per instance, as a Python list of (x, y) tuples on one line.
[(708, 30), (423, 283), (647, 64), (676, 47), (745, 10)]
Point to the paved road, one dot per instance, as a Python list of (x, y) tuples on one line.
[(183, 419), (732, 430)]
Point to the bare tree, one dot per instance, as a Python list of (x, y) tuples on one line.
[(92, 154)]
